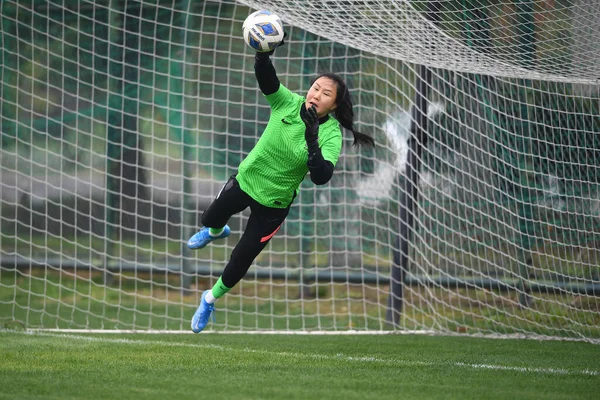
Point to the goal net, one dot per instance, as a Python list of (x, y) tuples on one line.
[(477, 212)]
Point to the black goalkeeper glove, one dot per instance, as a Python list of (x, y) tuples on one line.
[(311, 120), (270, 53)]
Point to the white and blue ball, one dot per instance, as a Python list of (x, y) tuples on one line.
[(263, 31)]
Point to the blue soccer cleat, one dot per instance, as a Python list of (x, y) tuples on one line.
[(200, 318), (202, 238)]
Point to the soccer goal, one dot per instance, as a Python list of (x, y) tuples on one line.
[(477, 213)]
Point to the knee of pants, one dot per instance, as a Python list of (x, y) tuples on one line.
[(244, 253)]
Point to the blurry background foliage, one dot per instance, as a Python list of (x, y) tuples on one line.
[(187, 82)]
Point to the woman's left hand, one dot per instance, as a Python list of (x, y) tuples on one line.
[(311, 120)]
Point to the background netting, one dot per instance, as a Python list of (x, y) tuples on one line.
[(122, 119)]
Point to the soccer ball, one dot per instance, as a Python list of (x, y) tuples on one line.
[(263, 31)]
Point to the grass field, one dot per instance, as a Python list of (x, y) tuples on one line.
[(47, 365)]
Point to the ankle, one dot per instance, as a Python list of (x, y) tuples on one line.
[(215, 231), (209, 298)]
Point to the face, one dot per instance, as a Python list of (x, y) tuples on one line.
[(322, 94)]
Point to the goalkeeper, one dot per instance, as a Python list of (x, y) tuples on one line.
[(302, 136)]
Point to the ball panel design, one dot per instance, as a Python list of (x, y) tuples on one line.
[(253, 42), (268, 28)]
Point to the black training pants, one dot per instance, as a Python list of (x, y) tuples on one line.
[(262, 225)]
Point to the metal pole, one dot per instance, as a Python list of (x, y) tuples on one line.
[(526, 185), (409, 183), (113, 147), (123, 146), (177, 113)]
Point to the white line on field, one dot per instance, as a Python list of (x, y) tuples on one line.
[(559, 371), (245, 332), (403, 363)]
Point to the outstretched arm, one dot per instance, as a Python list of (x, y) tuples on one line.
[(265, 74)]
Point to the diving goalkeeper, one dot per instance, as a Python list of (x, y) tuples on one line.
[(302, 136)]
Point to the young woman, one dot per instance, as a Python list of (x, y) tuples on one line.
[(302, 136)]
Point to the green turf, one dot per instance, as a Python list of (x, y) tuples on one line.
[(216, 366)]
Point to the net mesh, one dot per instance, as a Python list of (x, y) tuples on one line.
[(122, 119)]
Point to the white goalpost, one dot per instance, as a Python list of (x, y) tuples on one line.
[(477, 212)]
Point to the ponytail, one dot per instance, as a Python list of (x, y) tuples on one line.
[(344, 112)]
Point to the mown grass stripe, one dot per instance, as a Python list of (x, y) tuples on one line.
[(316, 356)]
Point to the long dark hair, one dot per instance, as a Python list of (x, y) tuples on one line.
[(344, 112)]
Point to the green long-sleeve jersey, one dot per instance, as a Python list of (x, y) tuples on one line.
[(276, 166)]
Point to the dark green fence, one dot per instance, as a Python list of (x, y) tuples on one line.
[(122, 96)]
